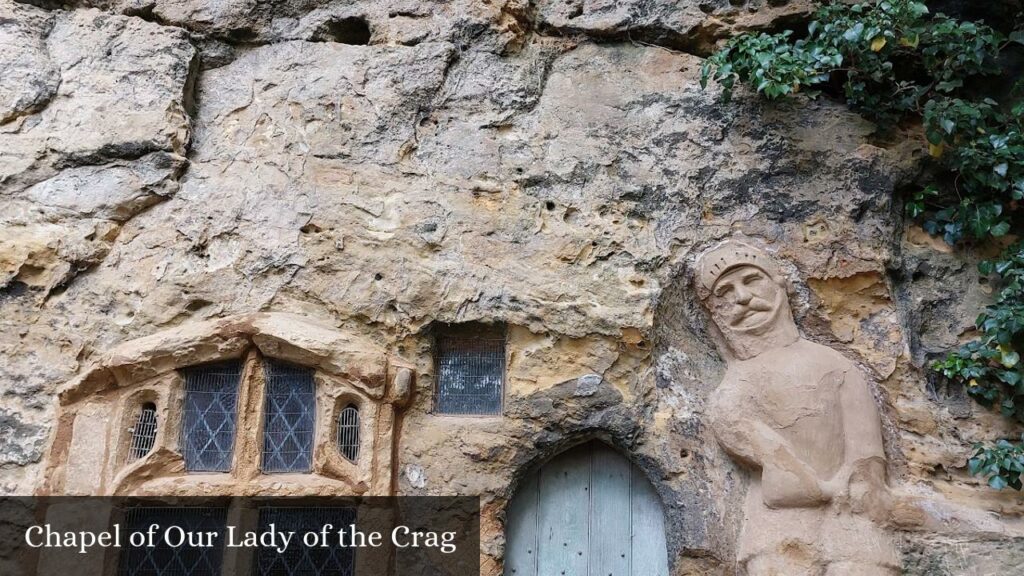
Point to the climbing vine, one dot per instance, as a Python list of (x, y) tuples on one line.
[(990, 366), (1002, 463), (892, 60)]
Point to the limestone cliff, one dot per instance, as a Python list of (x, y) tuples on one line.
[(381, 166)]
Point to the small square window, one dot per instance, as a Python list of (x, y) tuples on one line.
[(288, 425), (331, 560), (208, 424), (470, 363), (161, 558)]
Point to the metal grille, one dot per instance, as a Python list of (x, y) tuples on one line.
[(143, 433), (299, 560), (470, 375), (288, 426), (348, 432), (208, 426), (163, 560)]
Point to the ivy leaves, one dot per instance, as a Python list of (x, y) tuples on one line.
[(1002, 464), (889, 55), (893, 60), (991, 369), (983, 148), (771, 63)]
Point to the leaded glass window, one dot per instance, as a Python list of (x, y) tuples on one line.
[(348, 432), (288, 418), (332, 560), (143, 432), (208, 425), (470, 373), (163, 560)]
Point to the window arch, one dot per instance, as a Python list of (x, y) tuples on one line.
[(143, 432), (348, 432)]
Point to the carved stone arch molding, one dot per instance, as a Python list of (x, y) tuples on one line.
[(89, 454)]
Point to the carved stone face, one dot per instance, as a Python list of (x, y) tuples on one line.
[(746, 299), (746, 294)]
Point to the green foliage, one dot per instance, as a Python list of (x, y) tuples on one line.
[(893, 59), (991, 366), (1002, 464), (984, 149)]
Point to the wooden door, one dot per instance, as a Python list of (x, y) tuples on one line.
[(588, 512)]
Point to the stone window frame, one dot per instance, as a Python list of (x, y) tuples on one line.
[(346, 370), (341, 402), (127, 416)]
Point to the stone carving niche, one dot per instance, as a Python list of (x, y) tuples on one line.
[(90, 451), (801, 418)]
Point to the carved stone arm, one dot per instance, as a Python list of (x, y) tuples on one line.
[(862, 479), (861, 422), (786, 480)]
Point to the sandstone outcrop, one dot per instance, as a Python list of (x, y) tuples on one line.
[(383, 167)]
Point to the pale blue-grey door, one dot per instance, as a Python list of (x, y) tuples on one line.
[(588, 512)]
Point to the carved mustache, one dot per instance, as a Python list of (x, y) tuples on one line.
[(755, 305)]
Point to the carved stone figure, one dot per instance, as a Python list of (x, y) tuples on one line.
[(801, 417)]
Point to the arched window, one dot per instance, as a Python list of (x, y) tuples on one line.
[(348, 432), (143, 433)]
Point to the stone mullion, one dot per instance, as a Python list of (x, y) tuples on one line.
[(249, 431), (243, 513), (382, 465)]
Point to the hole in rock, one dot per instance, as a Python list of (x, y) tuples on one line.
[(344, 31), (13, 289), (196, 305)]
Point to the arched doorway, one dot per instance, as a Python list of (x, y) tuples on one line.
[(588, 512)]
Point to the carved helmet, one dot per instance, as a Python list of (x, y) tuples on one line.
[(728, 255)]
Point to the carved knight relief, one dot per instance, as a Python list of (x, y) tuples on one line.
[(801, 418)]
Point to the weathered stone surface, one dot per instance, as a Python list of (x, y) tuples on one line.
[(694, 25), (959, 556), (505, 161), (95, 132), (121, 93), (115, 191), (21, 443), (30, 78), (495, 25)]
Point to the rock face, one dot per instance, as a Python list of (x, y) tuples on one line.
[(386, 167), (94, 129)]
